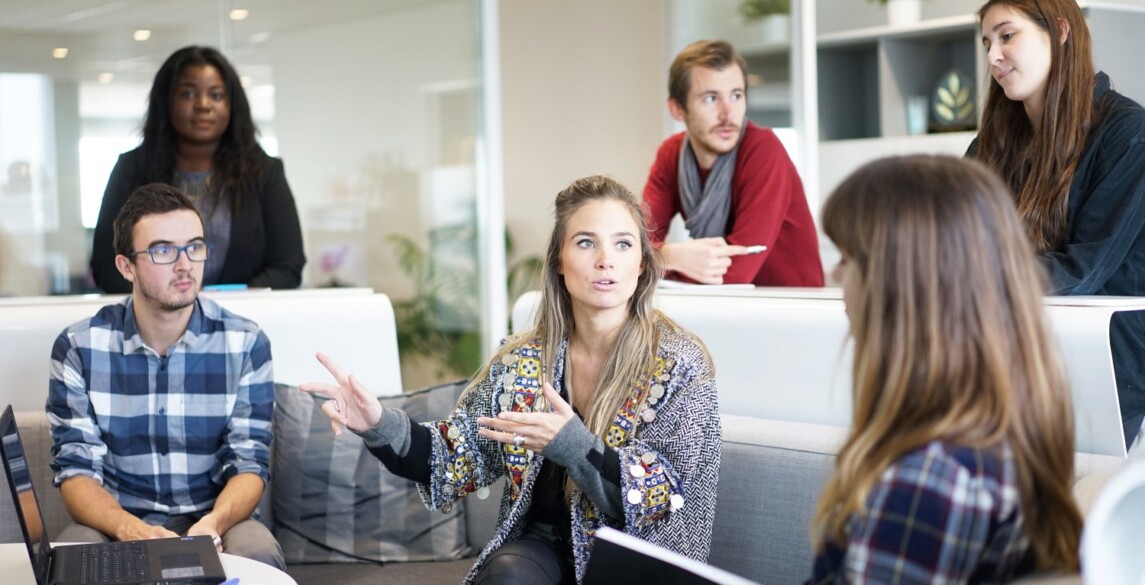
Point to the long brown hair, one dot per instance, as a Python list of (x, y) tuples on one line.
[(637, 342), (950, 340), (1039, 166)]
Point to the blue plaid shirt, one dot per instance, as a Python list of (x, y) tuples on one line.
[(941, 514), (162, 434)]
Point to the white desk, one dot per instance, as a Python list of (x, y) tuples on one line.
[(353, 326), (252, 572), (783, 353), (17, 569)]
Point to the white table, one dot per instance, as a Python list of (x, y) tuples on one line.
[(783, 353), (252, 572), (353, 326), (17, 569)]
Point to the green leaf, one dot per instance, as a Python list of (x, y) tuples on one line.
[(945, 97)]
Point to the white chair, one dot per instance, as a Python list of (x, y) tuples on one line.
[(1111, 551)]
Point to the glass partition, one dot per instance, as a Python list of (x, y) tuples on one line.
[(374, 108)]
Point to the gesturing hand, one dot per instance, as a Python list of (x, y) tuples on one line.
[(349, 404), (142, 531), (534, 429), (704, 260)]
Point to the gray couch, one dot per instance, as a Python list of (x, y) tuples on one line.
[(770, 478)]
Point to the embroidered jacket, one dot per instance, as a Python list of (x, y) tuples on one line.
[(668, 446)]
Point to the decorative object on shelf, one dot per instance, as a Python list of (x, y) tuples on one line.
[(902, 13), (916, 110), (773, 18), (953, 103)]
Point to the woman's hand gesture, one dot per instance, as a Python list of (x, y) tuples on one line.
[(531, 430), (349, 404)]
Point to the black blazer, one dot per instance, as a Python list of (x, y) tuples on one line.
[(266, 238)]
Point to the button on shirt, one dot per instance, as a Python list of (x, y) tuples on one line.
[(163, 434)]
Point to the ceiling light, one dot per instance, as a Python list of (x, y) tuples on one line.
[(141, 35), (257, 38), (105, 78), (239, 14), (245, 80), (60, 52)]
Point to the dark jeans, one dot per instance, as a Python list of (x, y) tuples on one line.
[(537, 558)]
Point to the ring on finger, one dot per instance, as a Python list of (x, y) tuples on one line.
[(518, 440)]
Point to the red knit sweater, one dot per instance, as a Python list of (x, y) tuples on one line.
[(768, 207)]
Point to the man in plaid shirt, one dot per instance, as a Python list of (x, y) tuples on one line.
[(160, 405)]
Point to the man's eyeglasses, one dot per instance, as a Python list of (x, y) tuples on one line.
[(169, 253)]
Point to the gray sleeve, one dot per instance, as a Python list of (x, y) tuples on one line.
[(593, 467), (393, 431)]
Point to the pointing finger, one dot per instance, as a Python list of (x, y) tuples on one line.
[(331, 367)]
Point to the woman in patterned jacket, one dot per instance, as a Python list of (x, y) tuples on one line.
[(603, 414), (958, 464)]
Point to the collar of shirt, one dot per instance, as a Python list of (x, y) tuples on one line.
[(133, 342)]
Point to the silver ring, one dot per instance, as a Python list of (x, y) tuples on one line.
[(518, 440)]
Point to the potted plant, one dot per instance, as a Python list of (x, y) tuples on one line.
[(441, 322), (902, 12), (773, 18)]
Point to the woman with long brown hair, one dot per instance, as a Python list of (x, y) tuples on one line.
[(958, 464), (1073, 152), (602, 414)]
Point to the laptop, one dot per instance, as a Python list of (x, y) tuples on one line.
[(190, 560), (616, 553)]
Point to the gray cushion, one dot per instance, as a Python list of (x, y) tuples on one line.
[(334, 502), (771, 473)]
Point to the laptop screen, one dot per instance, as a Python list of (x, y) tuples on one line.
[(23, 495)]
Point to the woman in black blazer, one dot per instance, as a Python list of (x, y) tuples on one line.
[(199, 136)]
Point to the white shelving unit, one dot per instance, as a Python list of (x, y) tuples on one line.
[(860, 72), (866, 75)]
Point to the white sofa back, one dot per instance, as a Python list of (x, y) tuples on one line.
[(355, 327), (783, 354)]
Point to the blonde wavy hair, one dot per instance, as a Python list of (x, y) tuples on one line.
[(950, 341), (637, 343)]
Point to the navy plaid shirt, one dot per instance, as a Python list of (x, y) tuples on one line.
[(941, 514), (162, 434)]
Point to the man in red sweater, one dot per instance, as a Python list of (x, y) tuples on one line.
[(732, 182)]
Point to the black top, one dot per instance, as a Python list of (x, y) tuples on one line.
[(266, 238), (1104, 248), (548, 505), (1103, 252)]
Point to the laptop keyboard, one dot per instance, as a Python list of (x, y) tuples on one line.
[(116, 562)]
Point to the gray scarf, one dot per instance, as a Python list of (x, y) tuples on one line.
[(707, 207)]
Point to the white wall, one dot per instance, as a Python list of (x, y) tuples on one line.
[(584, 88)]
